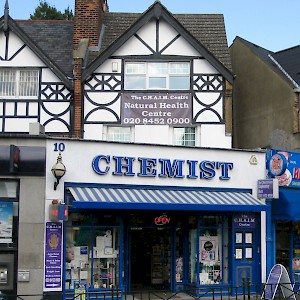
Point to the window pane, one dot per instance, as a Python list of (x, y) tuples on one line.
[(179, 68), (119, 134), (193, 255), (179, 83), (133, 82), (7, 83), (135, 68), (185, 136), (157, 82), (157, 68), (28, 83)]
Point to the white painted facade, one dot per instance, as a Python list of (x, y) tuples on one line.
[(51, 107), (101, 109), (210, 134)]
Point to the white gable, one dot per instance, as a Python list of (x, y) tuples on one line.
[(17, 56), (146, 41)]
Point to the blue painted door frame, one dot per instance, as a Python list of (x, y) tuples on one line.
[(246, 256)]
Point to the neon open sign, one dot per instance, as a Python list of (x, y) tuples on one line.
[(162, 220)]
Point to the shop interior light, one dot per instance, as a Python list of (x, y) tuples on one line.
[(58, 170)]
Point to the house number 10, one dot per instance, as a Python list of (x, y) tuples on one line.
[(59, 147)]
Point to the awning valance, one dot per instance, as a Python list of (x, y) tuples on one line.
[(166, 199), (287, 207)]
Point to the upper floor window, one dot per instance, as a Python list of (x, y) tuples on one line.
[(184, 136), (19, 83), (157, 76), (119, 134)]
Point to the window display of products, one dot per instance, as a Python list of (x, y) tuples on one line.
[(210, 266), (95, 263)]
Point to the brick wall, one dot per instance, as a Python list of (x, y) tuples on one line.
[(88, 20), (87, 25), (78, 100)]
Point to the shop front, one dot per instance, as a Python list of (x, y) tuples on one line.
[(174, 219), (285, 166)]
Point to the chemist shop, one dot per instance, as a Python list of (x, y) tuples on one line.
[(148, 217), (285, 166)]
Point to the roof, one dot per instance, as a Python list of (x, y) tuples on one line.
[(206, 33), (288, 60), (46, 41), (54, 38), (209, 29)]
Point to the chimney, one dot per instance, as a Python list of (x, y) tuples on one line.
[(88, 21), (87, 27)]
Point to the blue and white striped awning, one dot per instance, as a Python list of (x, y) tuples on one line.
[(136, 198)]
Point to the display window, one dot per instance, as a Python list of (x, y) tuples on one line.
[(179, 256), (92, 256), (9, 211), (208, 248)]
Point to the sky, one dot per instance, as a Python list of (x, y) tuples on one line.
[(271, 24)]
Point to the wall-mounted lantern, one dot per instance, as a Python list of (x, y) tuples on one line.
[(58, 170)]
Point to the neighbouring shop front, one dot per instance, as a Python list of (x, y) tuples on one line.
[(147, 222), (285, 166), (22, 167)]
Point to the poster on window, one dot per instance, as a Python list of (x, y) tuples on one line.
[(209, 249), (6, 222)]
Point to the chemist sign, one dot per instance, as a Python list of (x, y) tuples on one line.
[(156, 109)]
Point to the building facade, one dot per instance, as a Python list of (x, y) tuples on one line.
[(139, 107), (158, 217), (285, 211), (266, 96)]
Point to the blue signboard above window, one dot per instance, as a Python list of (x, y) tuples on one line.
[(284, 166)]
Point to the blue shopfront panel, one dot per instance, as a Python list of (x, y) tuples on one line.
[(287, 207)]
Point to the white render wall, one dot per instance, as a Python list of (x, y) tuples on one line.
[(26, 58), (78, 156), (19, 113)]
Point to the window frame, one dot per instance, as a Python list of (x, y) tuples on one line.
[(145, 71), (16, 88), (120, 128), (186, 142)]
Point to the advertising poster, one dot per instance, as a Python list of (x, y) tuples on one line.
[(53, 257), (209, 249), (156, 109), (6, 222), (284, 166)]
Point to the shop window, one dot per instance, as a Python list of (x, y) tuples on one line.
[(296, 252), (9, 208), (119, 134), (193, 255), (92, 257), (184, 136), (19, 83), (157, 76), (179, 256), (283, 236), (210, 266)]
